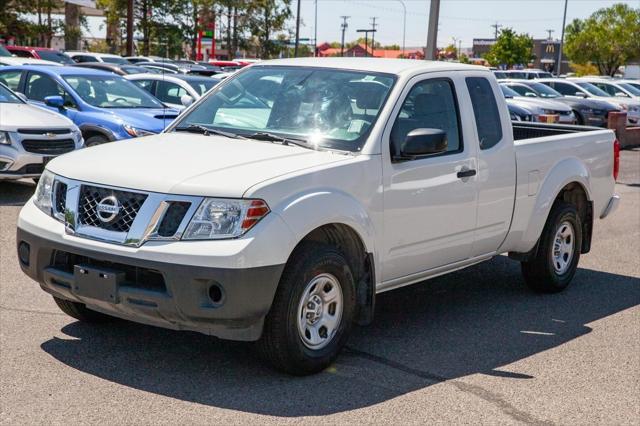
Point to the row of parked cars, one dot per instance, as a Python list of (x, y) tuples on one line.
[(52, 102), (534, 95)]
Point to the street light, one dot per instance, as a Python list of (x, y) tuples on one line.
[(404, 26)]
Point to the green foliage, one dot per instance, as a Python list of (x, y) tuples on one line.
[(511, 49), (608, 38)]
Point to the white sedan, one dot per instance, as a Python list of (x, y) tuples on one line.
[(175, 90), (12, 61)]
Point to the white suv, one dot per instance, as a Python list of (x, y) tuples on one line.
[(30, 136)]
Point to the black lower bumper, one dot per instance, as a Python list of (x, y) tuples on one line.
[(228, 303)]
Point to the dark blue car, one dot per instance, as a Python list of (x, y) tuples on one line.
[(105, 107)]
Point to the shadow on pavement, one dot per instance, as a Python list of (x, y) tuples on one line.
[(16, 193), (471, 321)]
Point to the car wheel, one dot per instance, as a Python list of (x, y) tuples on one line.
[(312, 313), (95, 141), (80, 312), (556, 261)]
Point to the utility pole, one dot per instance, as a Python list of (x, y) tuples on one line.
[(404, 26), (496, 27), (432, 33), (564, 20), (130, 27), (295, 49), (373, 35), (344, 27), (366, 39), (550, 31)]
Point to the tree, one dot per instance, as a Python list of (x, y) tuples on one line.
[(266, 18), (511, 49), (608, 38)]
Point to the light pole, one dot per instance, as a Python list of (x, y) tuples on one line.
[(295, 49), (315, 30), (564, 20), (432, 31), (404, 26)]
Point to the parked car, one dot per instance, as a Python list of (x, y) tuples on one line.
[(136, 59), (280, 204), (583, 89), (199, 68), (4, 52), (587, 111), (81, 57), (31, 136), (527, 74), (500, 74), (119, 69), (105, 106), (633, 83), (9, 61), (617, 88), (519, 113), (178, 90), (44, 53), (539, 107), (226, 65), (163, 68)]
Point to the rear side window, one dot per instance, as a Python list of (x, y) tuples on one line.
[(485, 110)]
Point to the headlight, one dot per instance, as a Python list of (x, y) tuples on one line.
[(549, 112), (135, 132), (218, 218), (44, 192), (4, 138)]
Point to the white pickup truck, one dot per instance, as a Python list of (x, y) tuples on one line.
[(278, 205)]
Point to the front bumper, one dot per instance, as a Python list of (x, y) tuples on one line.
[(163, 294)]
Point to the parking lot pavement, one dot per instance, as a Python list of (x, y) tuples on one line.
[(472, 347)]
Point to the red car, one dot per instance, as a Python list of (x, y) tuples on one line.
[(41, 53)]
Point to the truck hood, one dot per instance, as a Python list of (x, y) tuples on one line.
[(189, 164), (17, 116)]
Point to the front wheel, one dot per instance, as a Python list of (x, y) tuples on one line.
[(556, 261), (95, 141), (312, 312)]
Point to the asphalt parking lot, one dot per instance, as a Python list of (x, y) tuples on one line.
[(472, 347)]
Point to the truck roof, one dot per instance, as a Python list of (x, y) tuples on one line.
[(391, 66)]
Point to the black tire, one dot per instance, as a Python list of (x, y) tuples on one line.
[(542, 273), (281, 343), (579, 118), (80, 312), (95, 141)]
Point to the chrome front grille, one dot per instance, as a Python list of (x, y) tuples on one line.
[(119, 215), (129, 204)]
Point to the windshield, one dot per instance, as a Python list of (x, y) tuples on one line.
[(203, 86), (52, 55), (508, 92), (105, 91), (7, 97), (332, 108), (517, 74), (593, 89), (4, 51), (636, 85), (544, 91), (114, 60), (630, 88)]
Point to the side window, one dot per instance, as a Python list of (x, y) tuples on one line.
[(22, 53), (610, 89), (565, 89), (39, 86), (170, 92), (11, 79), (84, 58), (485, 110), (144, 84), (431, 104), (521, 90)]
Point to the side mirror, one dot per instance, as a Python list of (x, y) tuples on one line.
[(22, 96), (54, 102), (186, 100), (423, 142)]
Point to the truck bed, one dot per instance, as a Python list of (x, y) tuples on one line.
[(525, 130)]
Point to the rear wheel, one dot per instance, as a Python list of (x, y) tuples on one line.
[(80, 311), (556, 261), (312, 313)]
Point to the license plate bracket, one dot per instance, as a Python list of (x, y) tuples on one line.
[(97, 283)]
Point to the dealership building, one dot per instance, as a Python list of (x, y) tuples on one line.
[(545, 53)]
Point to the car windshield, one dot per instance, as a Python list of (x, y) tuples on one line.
[(331, 108), (544, 91), (4, 51), (105, 91), (508, 92), (203, 86), (635, 85), (593, 89), (114, 60), (7, 96), (630, 88), (517, 74), (54, 56)]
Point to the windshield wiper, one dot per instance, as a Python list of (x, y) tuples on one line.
[(207, 131), (270, 137)]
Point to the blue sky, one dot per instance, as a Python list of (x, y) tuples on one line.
[(463, 19)]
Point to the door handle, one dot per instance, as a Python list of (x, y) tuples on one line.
[(466, 173)]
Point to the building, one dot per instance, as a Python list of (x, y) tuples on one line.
[(545, 52), (359, 50)]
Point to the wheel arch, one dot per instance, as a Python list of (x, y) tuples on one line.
[(90, 130)]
